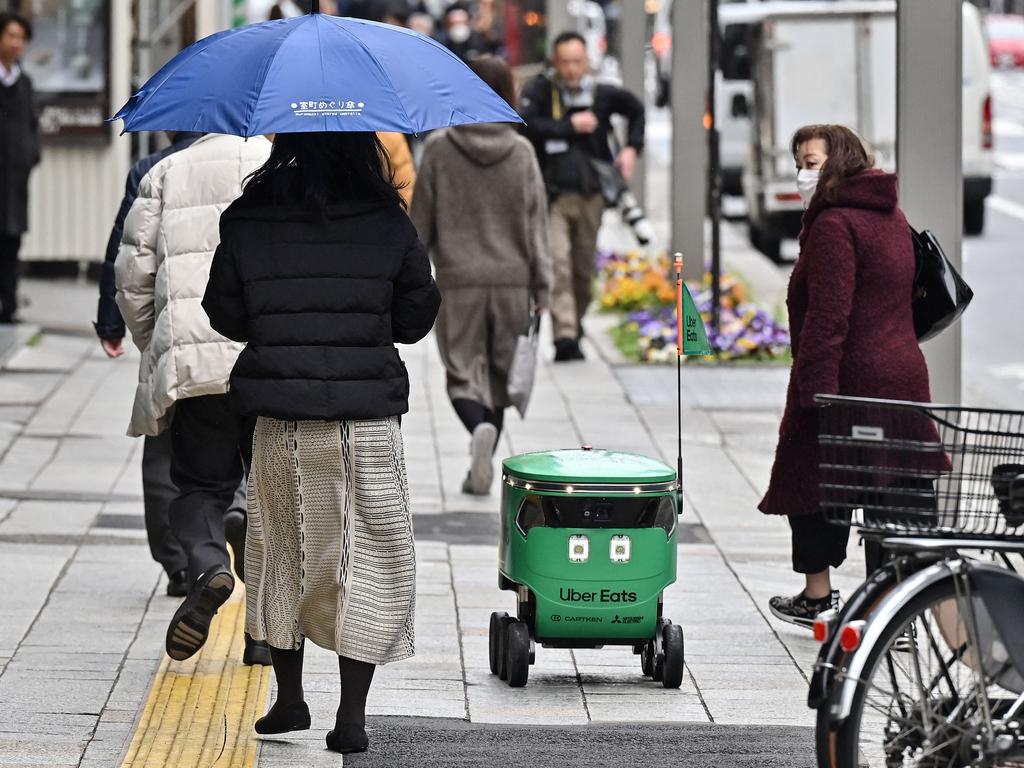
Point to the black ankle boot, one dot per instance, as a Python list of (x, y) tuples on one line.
[(284, 718), (348, 738)]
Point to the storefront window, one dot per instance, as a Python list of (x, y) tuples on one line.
[(69, 63)]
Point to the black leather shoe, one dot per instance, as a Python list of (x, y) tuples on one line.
[(567, 350), (256, 653), (284, 719), (177, 584), (347, 739), (190, 625), (234, 532)]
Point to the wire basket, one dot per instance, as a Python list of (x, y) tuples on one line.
[(918, 469)]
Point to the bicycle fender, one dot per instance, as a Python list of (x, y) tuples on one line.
[(859, 606), (884, 614), (877, 624), (1002, 593)]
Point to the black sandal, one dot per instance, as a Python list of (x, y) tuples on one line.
[(800, 609)]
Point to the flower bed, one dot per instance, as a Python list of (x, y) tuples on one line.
[(642, 288)]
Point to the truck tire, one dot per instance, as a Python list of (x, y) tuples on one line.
[(974, 216), (767, 242)]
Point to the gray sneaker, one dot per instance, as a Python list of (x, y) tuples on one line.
[(481, 467)]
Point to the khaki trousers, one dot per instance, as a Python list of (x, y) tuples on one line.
[(477, 330), (574, 223)]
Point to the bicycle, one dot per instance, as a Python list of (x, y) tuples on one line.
[(923, 665)]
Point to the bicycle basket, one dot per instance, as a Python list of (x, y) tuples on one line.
[(918, 469)]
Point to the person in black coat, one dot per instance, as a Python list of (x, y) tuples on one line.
[(568, 121), (158, 489), (19, 154), (319, 270)]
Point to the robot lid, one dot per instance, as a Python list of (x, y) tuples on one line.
[(586, 468)]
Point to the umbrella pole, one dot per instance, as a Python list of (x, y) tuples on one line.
[(679, 380), (316, 7)]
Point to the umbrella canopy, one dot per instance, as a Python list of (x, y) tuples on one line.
[(313, 73)]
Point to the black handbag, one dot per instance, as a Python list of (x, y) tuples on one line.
[(940, 294)]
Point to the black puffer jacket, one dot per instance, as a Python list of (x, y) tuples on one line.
[(321, 305)]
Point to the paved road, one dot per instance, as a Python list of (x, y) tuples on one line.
[(429, 743), (993, 327)]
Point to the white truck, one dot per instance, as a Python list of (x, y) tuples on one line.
[(835, 62)]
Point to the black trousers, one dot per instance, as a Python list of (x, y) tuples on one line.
[(10, 245), (817, 545), (158, 492), (207, 466), (472, 414)]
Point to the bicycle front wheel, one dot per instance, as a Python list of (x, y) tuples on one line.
[(925, 700)]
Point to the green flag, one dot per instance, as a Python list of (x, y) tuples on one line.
[(693, 338)]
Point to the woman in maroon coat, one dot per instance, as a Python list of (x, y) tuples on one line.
[(853, 334)]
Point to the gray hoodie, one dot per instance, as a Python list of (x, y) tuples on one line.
[(481, 209)]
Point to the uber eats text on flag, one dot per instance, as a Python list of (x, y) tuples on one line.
[(693, 337)]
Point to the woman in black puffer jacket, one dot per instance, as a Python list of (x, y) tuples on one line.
[(320, 271)]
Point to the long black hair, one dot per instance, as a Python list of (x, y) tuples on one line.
[(318, 169)]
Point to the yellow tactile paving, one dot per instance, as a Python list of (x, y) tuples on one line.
[(200, 712)]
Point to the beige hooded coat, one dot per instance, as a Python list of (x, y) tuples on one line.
[(162, 269)]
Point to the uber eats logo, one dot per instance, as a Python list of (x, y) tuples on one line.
[(613, 596)]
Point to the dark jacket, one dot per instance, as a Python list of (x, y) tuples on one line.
[(851, 323), (19, 153), (321, 306), (109, 323), (569, 171)]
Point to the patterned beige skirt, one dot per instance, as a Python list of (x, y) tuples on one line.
[(329, 553)]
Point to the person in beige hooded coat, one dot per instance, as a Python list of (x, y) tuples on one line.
[(162, 268), (481, 209)]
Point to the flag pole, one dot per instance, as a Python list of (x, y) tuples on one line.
[(679, 380)]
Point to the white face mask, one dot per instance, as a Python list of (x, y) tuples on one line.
[(807, 184), (459, 33)]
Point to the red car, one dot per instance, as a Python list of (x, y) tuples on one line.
[(1006, 40)]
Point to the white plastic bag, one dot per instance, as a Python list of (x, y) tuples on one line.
[(524, 367)]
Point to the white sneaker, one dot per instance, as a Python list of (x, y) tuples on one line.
[(481, 467)]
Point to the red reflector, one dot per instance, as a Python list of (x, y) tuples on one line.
[(821, 631), (849, 638), (986, 124), (787, 197)]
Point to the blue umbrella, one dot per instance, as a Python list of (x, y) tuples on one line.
[(313, 73)]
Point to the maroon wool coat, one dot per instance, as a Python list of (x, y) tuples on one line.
[(851, 324)]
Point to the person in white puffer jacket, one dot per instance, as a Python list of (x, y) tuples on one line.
[(162, 269)]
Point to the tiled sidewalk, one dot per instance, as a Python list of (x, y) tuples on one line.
[(82, 611)]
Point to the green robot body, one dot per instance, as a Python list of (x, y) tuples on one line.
[(588, 542)]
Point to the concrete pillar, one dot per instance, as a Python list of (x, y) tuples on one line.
[(558, 19), (929, 150), (689, 141), (633, 45), (209, 17)]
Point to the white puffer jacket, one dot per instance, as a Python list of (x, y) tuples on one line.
[(162, 269)]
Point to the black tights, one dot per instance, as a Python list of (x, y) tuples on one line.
[(472, 414), (356, 677)]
